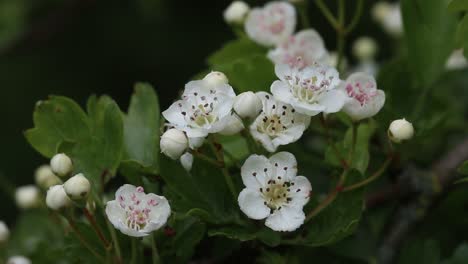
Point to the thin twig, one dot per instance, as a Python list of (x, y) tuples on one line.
[(370, 179), (327, 13)]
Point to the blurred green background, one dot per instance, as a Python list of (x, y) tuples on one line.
[(79, 47)]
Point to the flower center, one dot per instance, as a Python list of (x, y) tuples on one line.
[(361, 92), (276, 194), (271, 125), (307, 90), (136, 218)]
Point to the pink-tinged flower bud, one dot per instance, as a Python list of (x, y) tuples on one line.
[(61, 165), (77, 187), (173, 143), (400, 130), (247, 105)]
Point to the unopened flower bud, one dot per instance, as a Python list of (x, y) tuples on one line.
[(77, 187), (381, 10), (247, 104), (186, 160), (18, 260), (61, 165), (173, 143), (27, 197), (236, 12), (4, 232), (57, 197), (234, 125), (215, 78), (364, 48), (45, 177), (400, 130)]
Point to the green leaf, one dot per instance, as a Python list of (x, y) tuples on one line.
[(56, 120), (235, 50), (429, 31), (264, 234), (458, 5), (460, 256), (337, 221), (463, 169), (426, 252), (461, 35), (235, 147), (271, 257), (98, 156), (202, 192), (141, 134), (254, 73)]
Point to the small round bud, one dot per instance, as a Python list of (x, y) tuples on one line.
[(236, 12), (27, 197), (380, 11), (365, 48), (233, 126), (400, 130), (57, 197), (173, 143), (215, 78), (77, 187), (18, 260), (4, 232), (247, 104), (45, 177), (61, 165), (186, 160)]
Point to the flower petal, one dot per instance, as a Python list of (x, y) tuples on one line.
[(285, 164), (300, 191), (288, 218), (160, 212), (252, 204), (333, 101), (173, 114), (281, 91), (256, 171)]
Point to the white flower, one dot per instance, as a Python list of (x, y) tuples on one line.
[(18, 260), (236, 12), (278, 124), (27, 197), (380, 10), (311, 90), (4, 232), (273, 191), (400, 130), (306, 44), (272, 24), (389, 16), (247, 104), (456, 60), (173, 143), (135, 213), (77, 187), (364, 48), (61, 164), (57, 198), (45, 177), (364, 99), (215, 78), (232, 127), (187, 161), (203, 109)]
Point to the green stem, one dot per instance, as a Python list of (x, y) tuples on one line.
[(353, 143), (341, 34), (302, 7), (154, 249), (82, 240), (97, 229), (134, 259), (327, 13), (324, 124), (356, 17), (219, 153), (205, 158), (372, 178)]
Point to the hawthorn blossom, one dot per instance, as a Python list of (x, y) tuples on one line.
[(278, 123), (203, 109), (311, 90), (389, 16), (456, 60), (273, 191), (306, 44), (364, 99), (272, 24), (135, 213)]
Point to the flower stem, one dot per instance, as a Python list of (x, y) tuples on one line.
[(341, 34), (330, 198), (327, 13), (302, 8), (353, 143), (82, 240), (219, 153), (134, 258), (154, 249), (324, 124), (204, 157), (356, 17), (97, 229), (372, 177)]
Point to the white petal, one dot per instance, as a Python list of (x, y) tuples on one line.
[(256, 171), (125, 190), (192, 87), (252, 204), (281, 91), (300, 191), (282, 70), (159, 213), (195, 132), (186, 160), (306, 108), (290, 135), (285, 164), (195, 142), (173, 114), (288, 218), (263, 138), (115, 213), (333, 101)]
